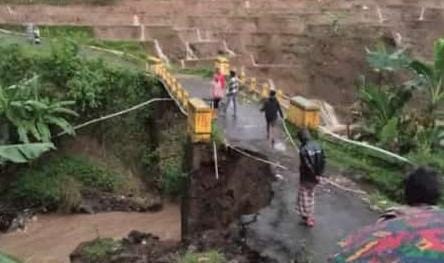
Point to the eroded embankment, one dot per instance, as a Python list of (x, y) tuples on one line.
[(211, 209)]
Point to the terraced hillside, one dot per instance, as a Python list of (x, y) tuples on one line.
[(316, 48)]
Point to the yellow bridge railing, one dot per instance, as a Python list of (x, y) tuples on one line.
[(198, 112), (300, 111)]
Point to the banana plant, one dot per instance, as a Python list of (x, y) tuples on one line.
[(383, 59), (33, 115), (430, 78), (383, 111), (23, 153)]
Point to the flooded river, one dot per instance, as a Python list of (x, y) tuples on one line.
[(52, 238)]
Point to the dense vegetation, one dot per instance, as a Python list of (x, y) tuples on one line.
[(46, 89), (59, 184), (401, 110)]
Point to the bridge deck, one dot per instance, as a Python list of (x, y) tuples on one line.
[(276, 231)]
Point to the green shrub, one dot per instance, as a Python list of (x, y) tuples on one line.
[(4, 258), (58, 182), (13, 65), (100, 249), (70, 196), (69, 71), (208, 257), (173, 180), (37, 188)]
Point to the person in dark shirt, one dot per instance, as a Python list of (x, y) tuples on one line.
[(311, 168), (272, 108), (422, 192)]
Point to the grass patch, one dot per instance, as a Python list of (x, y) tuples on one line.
[(4, 258), (203, 72), (387, 177), (207, 257), (57, 183), (134, 48), (101, 249), (78, 33), (217, 133), (48, 45)]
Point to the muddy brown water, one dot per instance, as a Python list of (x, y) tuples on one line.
[(52, 238)]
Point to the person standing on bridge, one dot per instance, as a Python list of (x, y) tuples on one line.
[(312, 165), (233, 87), (272, 108), (217, 89)]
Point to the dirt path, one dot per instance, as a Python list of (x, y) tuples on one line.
[(53, 237)]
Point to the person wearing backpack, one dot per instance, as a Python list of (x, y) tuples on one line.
[(233, 87), (312, 165)]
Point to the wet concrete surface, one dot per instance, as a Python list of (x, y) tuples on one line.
[(276, 230)]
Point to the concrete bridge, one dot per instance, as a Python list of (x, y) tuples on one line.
[(275, 230)]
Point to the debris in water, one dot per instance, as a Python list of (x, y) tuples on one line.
[(280, 177)]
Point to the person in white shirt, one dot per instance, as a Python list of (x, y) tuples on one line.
[(233, 88)]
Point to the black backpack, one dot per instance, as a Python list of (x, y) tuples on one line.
[(313, 157)]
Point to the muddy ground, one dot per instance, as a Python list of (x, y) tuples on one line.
[(211, 210)]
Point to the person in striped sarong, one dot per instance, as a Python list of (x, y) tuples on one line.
[(311, 168)]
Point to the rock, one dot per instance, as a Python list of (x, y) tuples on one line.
[(86, 209), (137, 237), (99, 201), (12, 221)]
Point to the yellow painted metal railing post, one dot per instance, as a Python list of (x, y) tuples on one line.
[(185, 99), (265, 90), (179, 95), (303, 113), (200, 116), (252, 87), (155, 63), (242, 77), (222, 64)]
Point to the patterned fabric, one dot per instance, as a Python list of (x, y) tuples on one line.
[(306, 200), (417, 237), (233, 85)]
